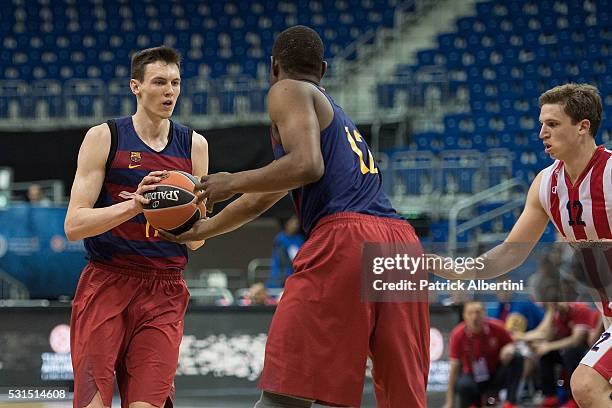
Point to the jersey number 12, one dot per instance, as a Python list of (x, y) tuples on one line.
[(353, 142), (578, 205)]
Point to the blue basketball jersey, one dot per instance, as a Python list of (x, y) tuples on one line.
[(352, 181), (135, 244)]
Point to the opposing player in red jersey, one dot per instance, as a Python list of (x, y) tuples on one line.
[(127, 314), (322, 332), (575, 192)]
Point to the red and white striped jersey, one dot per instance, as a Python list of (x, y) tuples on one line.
[(582, 210)]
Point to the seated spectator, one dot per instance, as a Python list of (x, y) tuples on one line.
[(560, 339), (519, 317), (36, 196), (286, 246), (483, 360), (258, 296)]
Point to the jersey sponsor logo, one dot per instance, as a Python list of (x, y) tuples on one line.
[(172, 195), (135, 160), (554, 190)]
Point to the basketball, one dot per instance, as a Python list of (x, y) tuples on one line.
[(173, 205)]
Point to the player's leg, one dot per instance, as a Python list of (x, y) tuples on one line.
[(318, 339), (123, 382), (399, 349), (96, 402), (144, 405), (146, 379), (590, 389), (96, 337), (399, 337), (591, 380), (272, 400)]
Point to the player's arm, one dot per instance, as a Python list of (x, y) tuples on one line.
[(578, 337), (199, 158), (239, 212), (82, 220), (291, 108), (453, 375), (518, 245), (292, 111)]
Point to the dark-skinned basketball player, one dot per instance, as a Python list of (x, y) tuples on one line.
[(127, 314), (322, 332)]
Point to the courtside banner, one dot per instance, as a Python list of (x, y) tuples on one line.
[(35, 251), (547, 272), (222, 351)]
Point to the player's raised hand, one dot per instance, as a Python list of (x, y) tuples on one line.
[(214, 188), (200, 231)]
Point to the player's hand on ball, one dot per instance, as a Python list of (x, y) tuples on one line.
[(200, 231), (146, 184), (214, 188)]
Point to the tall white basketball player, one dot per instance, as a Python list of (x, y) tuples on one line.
[(575, 192)]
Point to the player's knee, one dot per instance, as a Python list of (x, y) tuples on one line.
[(587, 386), (272, 400), (507, 354), (96, 402), (140, 404)]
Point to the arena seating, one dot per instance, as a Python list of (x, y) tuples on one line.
[(503, 58), (64, 45)]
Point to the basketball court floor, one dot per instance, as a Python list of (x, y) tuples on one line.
[(246, 401)]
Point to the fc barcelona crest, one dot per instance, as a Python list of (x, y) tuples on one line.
[(135, 157)]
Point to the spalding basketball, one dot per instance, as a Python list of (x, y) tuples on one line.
[(173, 205)]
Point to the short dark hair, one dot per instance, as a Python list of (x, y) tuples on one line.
[(579, 101), (299, 50), (150, 55), (465, 304)]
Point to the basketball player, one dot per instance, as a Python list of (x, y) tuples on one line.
[(322, 333), (127, 314), (574, 192)]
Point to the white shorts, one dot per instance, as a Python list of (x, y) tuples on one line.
[(599, 357)]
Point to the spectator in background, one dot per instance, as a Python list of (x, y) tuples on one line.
[(36, 196), (483, 360), (560, 339), (257, 295), (545, 282), (519, 317), (286, 246)]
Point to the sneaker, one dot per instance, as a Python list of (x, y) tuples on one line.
[(550, 402)]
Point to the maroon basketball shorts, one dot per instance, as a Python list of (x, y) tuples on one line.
[(322, 333), (129, 324)]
